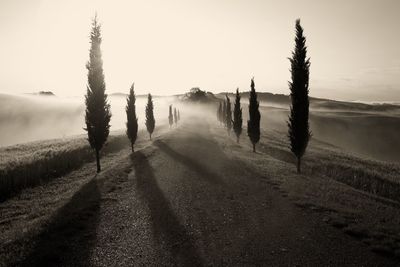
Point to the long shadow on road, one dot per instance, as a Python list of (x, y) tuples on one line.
[(71, 234), (166, 225), (207, 175)]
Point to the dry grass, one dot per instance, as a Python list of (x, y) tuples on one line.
[(375, 177), (32, 164)]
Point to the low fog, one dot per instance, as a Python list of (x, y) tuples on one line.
[(369, 133), (26, 118)]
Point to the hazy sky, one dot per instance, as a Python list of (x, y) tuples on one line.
[(167, 47)]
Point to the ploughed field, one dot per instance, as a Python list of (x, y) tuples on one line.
[(192, 196)]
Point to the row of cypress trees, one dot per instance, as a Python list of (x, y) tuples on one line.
[(98, 113), (299, 132), (173, 117), (224, 116), (131, 118)]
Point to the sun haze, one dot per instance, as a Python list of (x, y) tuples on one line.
[(167, 47)]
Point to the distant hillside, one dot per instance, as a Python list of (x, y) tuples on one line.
[(124, 95), (119, 94), (317, 103)]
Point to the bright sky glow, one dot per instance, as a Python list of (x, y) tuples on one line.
[(167, 47)]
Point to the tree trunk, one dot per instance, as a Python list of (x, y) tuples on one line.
[(132, 147), (298, 165), (98, 160), (254, 148), (237, 139), (150, 136)]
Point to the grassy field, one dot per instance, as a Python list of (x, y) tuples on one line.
[(32, 164), (322, 159)]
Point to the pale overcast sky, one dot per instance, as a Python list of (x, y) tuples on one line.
[(167, 47)]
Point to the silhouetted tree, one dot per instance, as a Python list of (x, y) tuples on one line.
[(170, 117), (219, 113), (237, 116), (150, 121), (299, 133), (131, 124), (228, 115), (253, 124), (224, 113), (98, 112), (175, 117)]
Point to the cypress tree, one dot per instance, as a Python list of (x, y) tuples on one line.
[(237, 116), (175, 116), (170, 117), (299, 133), (219, 112), (131, 124), (97, 114), (223, 116), (150, 121), (228, 115), (253, 124)]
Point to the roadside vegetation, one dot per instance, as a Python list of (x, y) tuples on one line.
[(375, 177), (33, 164)]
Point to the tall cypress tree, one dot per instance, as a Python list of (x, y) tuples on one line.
[(253, 124), (170, 117), (224, 113), (175, 117), (228, 115), (98, 114), (219, 112), (150, 121), (299, 131), (237, 116), (131, 123)]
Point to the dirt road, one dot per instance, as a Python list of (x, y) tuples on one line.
[(182, 201)]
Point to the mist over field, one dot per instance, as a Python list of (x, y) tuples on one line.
[(366, 130), (25, 118)]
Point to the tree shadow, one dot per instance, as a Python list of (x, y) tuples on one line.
[(165, 224), (70, 236), (207, 175)]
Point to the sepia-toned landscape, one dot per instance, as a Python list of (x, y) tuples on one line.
[(233, 175)]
